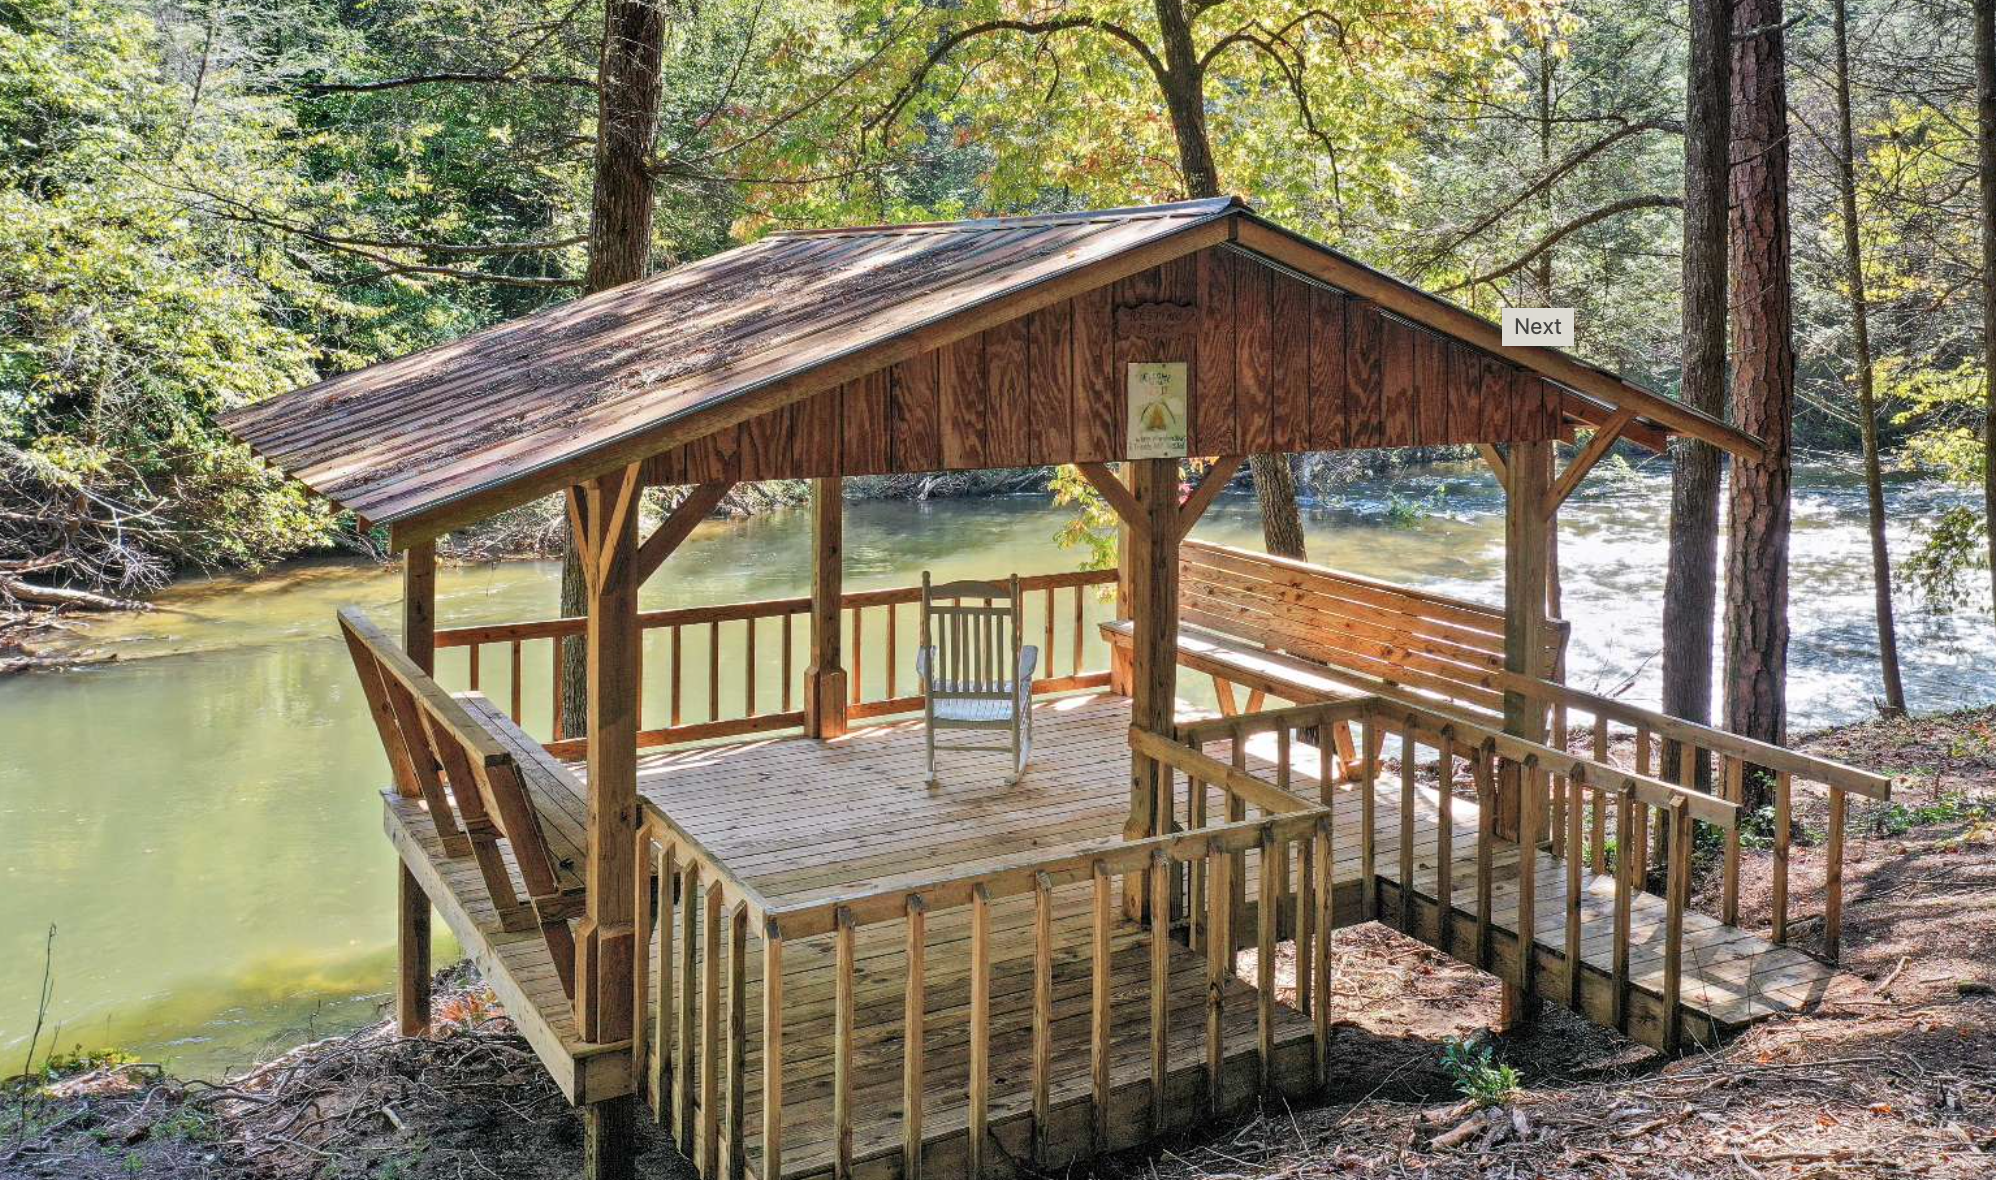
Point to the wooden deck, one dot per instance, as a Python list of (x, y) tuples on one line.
[(805, 821)]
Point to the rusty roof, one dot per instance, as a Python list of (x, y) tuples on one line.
[(458, 431)]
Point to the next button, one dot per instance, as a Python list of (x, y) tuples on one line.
[(1550, 326)]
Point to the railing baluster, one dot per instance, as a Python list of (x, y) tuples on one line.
[(1783, 834), (748, 667), (1638, 837), (858, 652), (643, 1035), (1196, 923), (1284, 768), (735, 1156), (1558, 783), (714, 670), (1833, 878), (1074, 668), (1576, 789), (1306, 925), (1679, 889), (471, 660), (554, 690), (1047, 642), (1599, 851), (1264, 962), (1368, 820), (1160, 981), (1237, 872), (914, 1029), (842, 1034), (1409, 768), (772, 1051), (894, 647), (1486, 837), (1733, 783), (662, 1072), (1445, 841), (706, 1156), (1531, 802), (1219, 964), (980, 1030), (1042, 1080), (1324, 851), (514, 687), (789, 642), (677, 665), (1624, 898), (685, 1073), (1098, 1009)]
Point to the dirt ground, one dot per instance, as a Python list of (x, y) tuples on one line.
[(1894, 1075)]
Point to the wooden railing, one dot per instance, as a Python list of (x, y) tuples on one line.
[(760, 645), (1549, 782), (716, 1035), (694, 1044), (1707, 760)]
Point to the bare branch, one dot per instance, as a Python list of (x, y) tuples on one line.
[(1591, 217), (451, 77)]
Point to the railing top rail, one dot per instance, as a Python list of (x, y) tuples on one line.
[(1267, 720), (1840, 775), (444, 709), (1010, 876), (1197, 765), (756, 609)]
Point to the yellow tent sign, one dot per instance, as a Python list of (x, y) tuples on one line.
[(1157, 410)]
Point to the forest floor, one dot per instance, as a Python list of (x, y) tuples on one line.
[(1894, 1074)]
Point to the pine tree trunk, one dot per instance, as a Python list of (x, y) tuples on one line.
[(1867, 398), (620, 216), (1763, 386), (1985, 140), (1184, 87), (1690, 586)]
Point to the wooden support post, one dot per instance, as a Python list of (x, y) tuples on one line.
[(610, 1139), (1528, 468), (825, 676), (606, 939), (412, 939), (1153, 580)]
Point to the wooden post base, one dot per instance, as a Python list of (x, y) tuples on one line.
[(610, 1139), (825, 703), (412, 953)]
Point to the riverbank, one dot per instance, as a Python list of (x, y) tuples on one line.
[(1894, 1074)]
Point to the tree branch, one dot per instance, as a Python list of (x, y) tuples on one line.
[(1591, 217), (1034, 28), (449, 76)]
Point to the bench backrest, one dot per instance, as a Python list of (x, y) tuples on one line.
[(1431, 642)]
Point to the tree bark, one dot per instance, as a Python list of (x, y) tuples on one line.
[(1763, 386), (1985, 142), (1690, 586), (1184, 85), (620, 217), (1867, 397)]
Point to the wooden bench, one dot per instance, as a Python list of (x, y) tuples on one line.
[(482, 780), (1305, 633)]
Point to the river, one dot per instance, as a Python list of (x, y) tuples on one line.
[(199, 822)]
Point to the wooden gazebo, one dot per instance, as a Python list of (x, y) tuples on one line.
[(614, 902)]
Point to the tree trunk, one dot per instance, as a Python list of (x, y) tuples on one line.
[(1985, 141), (1763, 386), (620, 214), (1184, 86), (1867, 399), (1690, 586)]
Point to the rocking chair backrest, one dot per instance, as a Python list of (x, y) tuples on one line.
[(974, 627)]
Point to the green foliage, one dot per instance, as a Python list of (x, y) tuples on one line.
[(1471, 1063), (1952, 807), (1093, 527)]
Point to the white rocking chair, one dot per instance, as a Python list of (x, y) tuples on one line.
[(975, 673)]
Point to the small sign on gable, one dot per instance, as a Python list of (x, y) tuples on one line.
[(1157, 410)]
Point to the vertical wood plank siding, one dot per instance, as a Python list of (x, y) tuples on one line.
[(1274, 363)]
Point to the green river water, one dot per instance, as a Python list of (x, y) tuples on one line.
[(199, 819)]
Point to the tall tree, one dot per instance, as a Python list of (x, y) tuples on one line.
[(620, 233), (1285, 99), (1690, 587), (1756, 634), (1867, 392), (1985, 168)]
